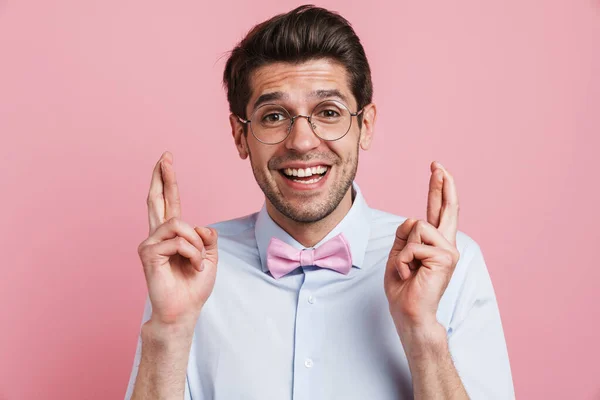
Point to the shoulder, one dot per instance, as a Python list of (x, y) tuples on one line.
[(236, 234), (236, 237), (235, 226)]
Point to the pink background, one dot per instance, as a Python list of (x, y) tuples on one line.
[(506, 94)]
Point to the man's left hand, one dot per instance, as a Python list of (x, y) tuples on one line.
[(423, 258)]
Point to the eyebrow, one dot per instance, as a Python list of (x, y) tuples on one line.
[(320, 94), (268, 97), (323, 94)]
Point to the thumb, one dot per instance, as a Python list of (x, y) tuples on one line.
[(209, 238)]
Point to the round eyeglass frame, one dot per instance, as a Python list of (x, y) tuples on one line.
[(293, 119)]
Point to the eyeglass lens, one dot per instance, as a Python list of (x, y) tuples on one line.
[(330, 120)]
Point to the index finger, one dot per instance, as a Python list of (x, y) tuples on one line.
[(156, 200), (449, 216), (171, 190)]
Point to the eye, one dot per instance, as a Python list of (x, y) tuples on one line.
[(273, 117), (329, 113)]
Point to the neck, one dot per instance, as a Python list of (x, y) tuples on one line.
[(309, 234)]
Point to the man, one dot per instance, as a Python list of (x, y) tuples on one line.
[(317, 296)]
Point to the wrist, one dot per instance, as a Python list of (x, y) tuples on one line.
[(167, 335), (421, 341), (164, 360)]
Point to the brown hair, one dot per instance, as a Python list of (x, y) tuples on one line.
[(303, 34)]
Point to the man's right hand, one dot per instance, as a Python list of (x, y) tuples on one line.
[(180, 261)]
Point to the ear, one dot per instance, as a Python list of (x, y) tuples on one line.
[(368, 125), (239, 137)]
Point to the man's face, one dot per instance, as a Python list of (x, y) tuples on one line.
[(333, 164)]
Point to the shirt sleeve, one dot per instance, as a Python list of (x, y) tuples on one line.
[(475, 335), (138, 350)]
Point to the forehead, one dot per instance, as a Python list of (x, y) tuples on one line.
[(300, 82)]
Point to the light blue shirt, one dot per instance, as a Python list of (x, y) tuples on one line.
[(316, 334)]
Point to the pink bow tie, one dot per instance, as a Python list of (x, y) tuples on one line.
[(333, 254)]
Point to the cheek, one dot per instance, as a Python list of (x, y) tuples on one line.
[(346, 151), (260, 156)]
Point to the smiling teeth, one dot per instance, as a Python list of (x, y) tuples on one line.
[(304, 172), (317, 179)]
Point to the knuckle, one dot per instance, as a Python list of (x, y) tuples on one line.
[(410, 247), (402, 257), (174, 196), (448, 257), (399, 230), (142, 248), (450, 206), (455, 255), (145, 253), (174, 222), (151, 199), (181, 242)]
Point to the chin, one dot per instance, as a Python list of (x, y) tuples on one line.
[(306, 215), (314, 207)]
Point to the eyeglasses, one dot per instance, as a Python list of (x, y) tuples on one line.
[(271, 123)]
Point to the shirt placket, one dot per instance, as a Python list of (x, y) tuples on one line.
[(307, 362)]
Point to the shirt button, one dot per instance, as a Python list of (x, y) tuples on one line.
[(311, 299), (308, 363)]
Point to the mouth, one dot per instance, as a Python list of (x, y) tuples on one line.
[(305, 176)]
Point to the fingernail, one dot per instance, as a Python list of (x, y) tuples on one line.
[(203, 253), (202, 266)]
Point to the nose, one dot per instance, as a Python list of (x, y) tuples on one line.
[(302, 138)]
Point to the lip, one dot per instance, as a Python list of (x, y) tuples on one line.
[(303, 186)]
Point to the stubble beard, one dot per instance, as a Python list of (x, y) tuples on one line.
[(312, 212)]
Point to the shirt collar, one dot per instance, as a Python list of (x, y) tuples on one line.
[(355, 226)]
